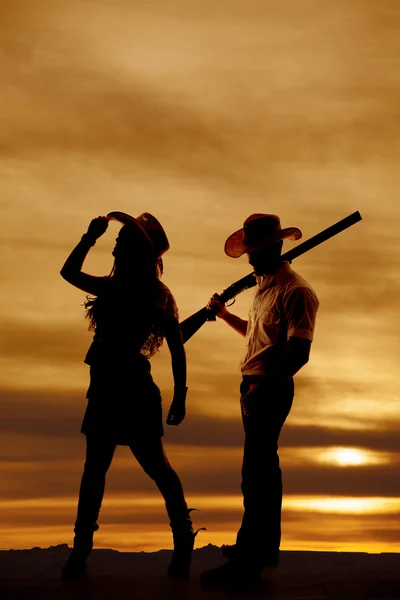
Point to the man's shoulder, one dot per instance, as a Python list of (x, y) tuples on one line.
[(296, 282)]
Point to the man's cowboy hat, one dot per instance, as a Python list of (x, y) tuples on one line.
[(148, 227), (259, 231)]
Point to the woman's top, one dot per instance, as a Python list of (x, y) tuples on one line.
[(129, 323)]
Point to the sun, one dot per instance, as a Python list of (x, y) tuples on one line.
[(350, 457)]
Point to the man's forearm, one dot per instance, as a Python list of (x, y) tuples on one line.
[(238, 324), (296, 356), (286, 369)]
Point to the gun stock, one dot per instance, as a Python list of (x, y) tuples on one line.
[(193, 323)]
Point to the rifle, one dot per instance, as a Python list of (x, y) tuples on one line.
[(193, 323)]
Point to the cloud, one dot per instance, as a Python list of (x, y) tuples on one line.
[(46, 414), (202, 473), (70, 101), (42, 449), (41, 342)]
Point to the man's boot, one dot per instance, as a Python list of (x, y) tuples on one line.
[(269, 559), (75, 567), (233, 574), (229, 551), (184, 535)]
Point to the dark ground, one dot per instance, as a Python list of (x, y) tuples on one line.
[(35, 575)]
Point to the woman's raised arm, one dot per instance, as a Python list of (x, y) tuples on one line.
[(71, 270)]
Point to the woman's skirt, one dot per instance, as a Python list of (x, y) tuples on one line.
[(124, 403)]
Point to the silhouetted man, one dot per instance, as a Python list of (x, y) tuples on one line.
[(278, 334)]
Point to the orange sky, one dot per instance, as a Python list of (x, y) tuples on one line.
[(202, 113)]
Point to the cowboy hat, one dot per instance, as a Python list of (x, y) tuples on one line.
[(147, 226), (259, 231)]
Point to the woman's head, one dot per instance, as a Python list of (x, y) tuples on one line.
[(133, 253)]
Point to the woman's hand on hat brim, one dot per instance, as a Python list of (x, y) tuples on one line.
[(97, 227)]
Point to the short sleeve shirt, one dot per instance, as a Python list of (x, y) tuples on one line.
[(284, 306)]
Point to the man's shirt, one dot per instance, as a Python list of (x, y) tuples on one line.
[(284, 306)]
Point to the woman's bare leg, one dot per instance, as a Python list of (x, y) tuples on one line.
[(99, 455), (151, 456)]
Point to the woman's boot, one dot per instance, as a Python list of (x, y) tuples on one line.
[(75, 567), (184, 535)]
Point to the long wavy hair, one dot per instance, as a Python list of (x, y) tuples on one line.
[(149, 300)]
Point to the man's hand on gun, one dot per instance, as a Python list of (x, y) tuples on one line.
[(217, 306)]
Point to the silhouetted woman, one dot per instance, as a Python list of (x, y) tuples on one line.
[(131, 312)]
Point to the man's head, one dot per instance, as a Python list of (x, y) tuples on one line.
[(265, 261), (261, 238)]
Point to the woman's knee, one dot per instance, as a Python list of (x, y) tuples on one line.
[(152, 459), (159, 470)]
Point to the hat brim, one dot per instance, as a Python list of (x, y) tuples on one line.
[(126, 219), (235, 246)]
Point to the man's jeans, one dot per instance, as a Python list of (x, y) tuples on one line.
[(264, 411)]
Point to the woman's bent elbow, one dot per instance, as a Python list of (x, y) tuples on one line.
[(65, 275)]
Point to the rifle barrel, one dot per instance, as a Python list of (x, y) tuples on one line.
[(190, 325), (249, 280), (324, 235)]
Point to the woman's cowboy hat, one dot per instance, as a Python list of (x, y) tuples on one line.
[(259, 231), (148, 227)]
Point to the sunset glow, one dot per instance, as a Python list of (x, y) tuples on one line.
[(153, 503), (344, 505), (45, 520), (352, 457)]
